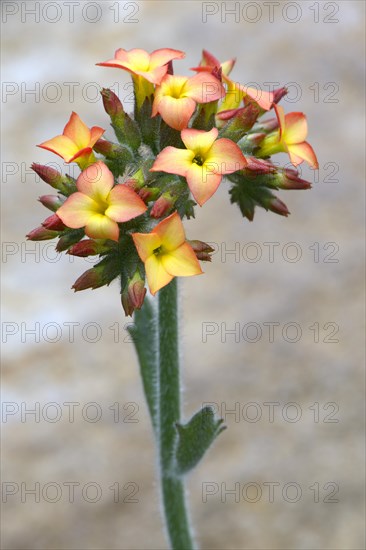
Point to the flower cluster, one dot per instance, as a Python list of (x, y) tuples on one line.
[(186, 134)]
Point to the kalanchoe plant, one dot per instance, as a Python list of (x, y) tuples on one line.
[(127, 205)]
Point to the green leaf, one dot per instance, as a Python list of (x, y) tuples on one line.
[(194, 439)]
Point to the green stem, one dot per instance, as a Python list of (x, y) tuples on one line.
[(169, 414)]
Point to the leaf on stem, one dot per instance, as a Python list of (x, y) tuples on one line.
[(194, 439)]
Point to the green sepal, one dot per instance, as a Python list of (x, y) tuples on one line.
[(249, 192), (194, 439), (149, 126), (68, 238), (127, 131)]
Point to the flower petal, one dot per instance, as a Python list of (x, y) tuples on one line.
[(77, 131), (96, 181), (181, 262), (155, 76), (296, 128), (280, 113), (227, 157), (124, 204), (95, 133), (77, 210), (157, 276), (263, 98), (203, 88), (82, 153), (161, 57), (146, 243), (102, 227), (171, 232), (233, 97), (199, 141), (135, 59), (63, 146), (173, 161), (304, 151), (203, 182), (209, 60), (176, 112), (227, 66)]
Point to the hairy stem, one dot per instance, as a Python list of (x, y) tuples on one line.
[(169, 414)]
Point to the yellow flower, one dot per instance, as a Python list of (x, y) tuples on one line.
[(76, 142), (166, 253), (289, 138), (98, 206)]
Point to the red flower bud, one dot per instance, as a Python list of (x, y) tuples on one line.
[(133, 294), (149, 193), (259, 167), (163, 205), (54, 223), (111, 103), (87, 247), (48, 174), (41, 234), (64, 184), (91, 278), (279, 94), (52, 202), (277, 206), (202, 250), (289, 179), (113, 150)]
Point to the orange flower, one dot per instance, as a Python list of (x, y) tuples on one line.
[(289, 138), (176, 98), (147, 70), (98, 206), (203, 163), (166, 253), (210, 63), (76, 142), (236, 93), (153, 67)]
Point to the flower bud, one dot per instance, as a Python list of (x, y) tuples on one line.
[(164, 205), (289, 179), (87, 247), (277, 206), (202, 250), (55, 179), (112, 105), (149, 193), (126, 129), (240, 121), (47, 174), (69, 239), (254, 140), (279, 94), (133, 294), (91, 278), (54, 223), (113, 150), (267, 126), (256, 167), (52, 202), (41, 234)]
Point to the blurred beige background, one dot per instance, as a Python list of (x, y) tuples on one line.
[(297, 475)]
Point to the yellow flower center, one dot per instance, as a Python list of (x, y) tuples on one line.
[(101, 206)]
